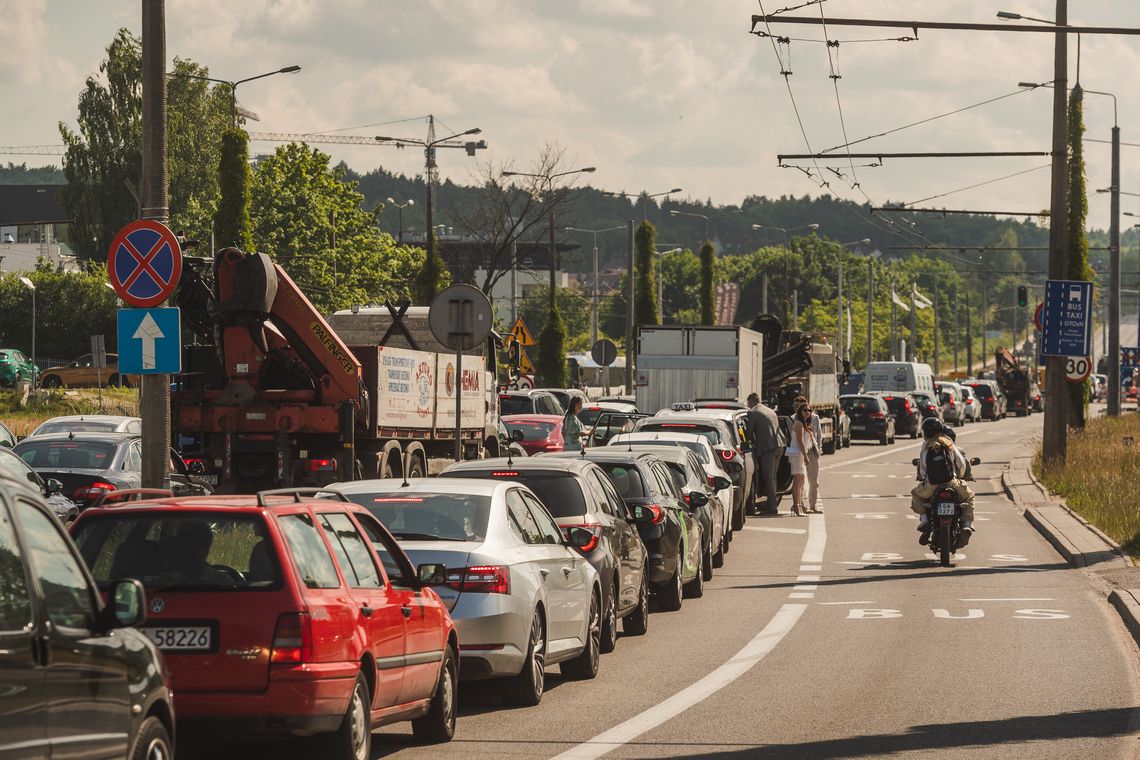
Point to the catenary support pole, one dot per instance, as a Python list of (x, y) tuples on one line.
[(870, 309), (839, 312), (969, 340), (937, 364), (985, 314), (1113, 327), (155, 389), (631, 326)]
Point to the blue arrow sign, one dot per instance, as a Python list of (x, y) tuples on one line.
[(150, 341), (1066, 320)]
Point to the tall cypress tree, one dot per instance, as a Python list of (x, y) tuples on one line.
[(232, 224), (1078, 243), (645, 277), (707, 293)]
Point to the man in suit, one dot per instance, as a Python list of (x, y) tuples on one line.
[(764, 427)]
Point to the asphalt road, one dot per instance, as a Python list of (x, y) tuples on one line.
[(837, 636)]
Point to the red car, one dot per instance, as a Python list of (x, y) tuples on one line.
[(540, 432), (280, 614)]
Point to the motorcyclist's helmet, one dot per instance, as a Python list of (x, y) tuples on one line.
[(931, 428)]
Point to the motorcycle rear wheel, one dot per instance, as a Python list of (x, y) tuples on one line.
[(944, 546)]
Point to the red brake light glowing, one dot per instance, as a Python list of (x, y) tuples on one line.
[(658, 513), (292, 639), (320, 465), (505, 474), (727, 454), (486, 579), (397, 500), (84, 493)]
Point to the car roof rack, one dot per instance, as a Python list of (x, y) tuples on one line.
[(127, 495), (296, 493)]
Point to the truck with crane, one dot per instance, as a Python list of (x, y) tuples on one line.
[(1016, 382), (271, 395)]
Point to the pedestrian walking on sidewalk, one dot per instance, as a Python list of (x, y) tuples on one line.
[(811, 459), (764, 429)]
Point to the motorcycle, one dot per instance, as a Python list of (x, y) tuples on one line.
[(945, 516)]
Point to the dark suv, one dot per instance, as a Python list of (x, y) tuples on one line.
[(578, 495), (79, 680), (871, 418), (904, 407)]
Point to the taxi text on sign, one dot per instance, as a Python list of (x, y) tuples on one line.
[(1067, 318), (144, 263)]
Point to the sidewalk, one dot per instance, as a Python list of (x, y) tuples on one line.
[(1079, 542)]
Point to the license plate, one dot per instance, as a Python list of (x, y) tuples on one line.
[(858, 427), (211, 479), (946, 508), (185, 638)]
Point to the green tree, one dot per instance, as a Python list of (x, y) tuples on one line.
[(431, 278), (707, 289), (311, 221), (70, 307), (645, 277), (1078, 244), (231, 223), (103, 155), (551, 361)]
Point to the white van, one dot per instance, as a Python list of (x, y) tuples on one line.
[(898, 376)]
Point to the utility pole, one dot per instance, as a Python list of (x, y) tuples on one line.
[(631, 327), (894, 326), (1056, 411), (985, 312), (870, 308), (957, 332), (969, 340), (154, 399), (912, 347), (763, 292), (936, 357), (839, 312), (1113, 327), (796, 309), (514, 280)]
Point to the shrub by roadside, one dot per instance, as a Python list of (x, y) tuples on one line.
[(44, 404), (1100, 479)]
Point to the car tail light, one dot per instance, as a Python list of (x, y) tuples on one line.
[(906, 406), (320, 465), (292, 639), (595, 531), (711, 480), (953, 402), (727, 454), (658, 513), (505, 474), (878, 416), (86, 493), (486, 579), (969, 401)]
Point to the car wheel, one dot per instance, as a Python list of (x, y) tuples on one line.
[(914, 434), (636, 623), (738, 516), (51, 381), (707, 565), (525, 689), (585, 666), (152, 742), (609, 623), (353, 740), (721, 548), (728, 540), (884, 440), (695, 588), (671, 593), (438, 725)]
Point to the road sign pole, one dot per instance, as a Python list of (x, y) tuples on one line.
[(1113, 351), (459, 383), (155, 389)]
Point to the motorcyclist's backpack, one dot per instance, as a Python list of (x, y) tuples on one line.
[(939, 462)]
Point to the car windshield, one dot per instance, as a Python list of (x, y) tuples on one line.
[(945, 398), (429, 516), (563, 398), (983, 392), (559, 491), (859, 404), (708, 431), (896, 403), (531, 431), (626, 479), (184, 550), (76, 426), (79, 455), (12, 464), (590, 414), (515, 405)]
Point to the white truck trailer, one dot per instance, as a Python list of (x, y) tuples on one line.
[(676, 363)]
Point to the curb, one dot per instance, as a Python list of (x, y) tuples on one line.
[(1125, 602)]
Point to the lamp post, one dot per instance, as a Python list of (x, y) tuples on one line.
[(233, 84), (401, 207), (596, 294), (547, 189), (706, 217), (787, 248), (643, 196), (32, 287)]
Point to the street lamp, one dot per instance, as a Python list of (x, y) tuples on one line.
[(32, 287), (643, 196), (787, 274), (234, 83), (401, 207), (708, 235), (1018, 17), (596, 294)]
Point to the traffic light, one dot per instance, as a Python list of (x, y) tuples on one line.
[(1022, 296)]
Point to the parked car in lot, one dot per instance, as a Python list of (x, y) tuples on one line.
[(529, 402), (904, 407), (50, 489), (82, 373), (15, 368), (89, 423), (990, 397), (578, 495), (871, 418), (91, 464), (283, 615), (539, 432), (79, 679), (515, 608), (973, 407), (672, 532)]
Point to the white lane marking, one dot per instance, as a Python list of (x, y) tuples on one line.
[(801, 595), (861, 475), (806, 578), (1040, 615), (845, 603), (972, 614), (743, 661), (1009, 558), (797, 531), (810, 568), (887, 453), (869, 614), (805, 587), (753, 652), (1008, 599)]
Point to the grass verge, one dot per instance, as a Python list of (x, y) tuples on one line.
[(44, 404), (1100, 478)]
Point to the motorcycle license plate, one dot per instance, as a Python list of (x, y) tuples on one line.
[(945, 508)]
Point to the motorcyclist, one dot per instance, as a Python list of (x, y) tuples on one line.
[(941, 463)]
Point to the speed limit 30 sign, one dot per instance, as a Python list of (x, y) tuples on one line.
[(1078, 368)]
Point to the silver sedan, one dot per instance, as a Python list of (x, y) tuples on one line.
[(521, 597)]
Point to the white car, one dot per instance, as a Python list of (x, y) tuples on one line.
[(521, 596), (89, 423), (973, 406), (695, 442)]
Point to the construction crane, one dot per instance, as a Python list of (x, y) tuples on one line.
[(32, 150)]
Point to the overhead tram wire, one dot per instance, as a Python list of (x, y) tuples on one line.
[(791, 8), (366, 126), (835, 76), (845, 42), (979, 184)]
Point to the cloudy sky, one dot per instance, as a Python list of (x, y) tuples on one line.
[(655, 93)]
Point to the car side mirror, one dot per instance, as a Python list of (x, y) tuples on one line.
[(914, 462), (698, 499), (432, 574), (52, 487), (127, 606), (975, 461), (196, 467), (517, 435), (720, 482), (20, 438), (579, 537), (641, 514)]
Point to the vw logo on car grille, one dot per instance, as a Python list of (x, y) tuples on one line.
[(157, 605)]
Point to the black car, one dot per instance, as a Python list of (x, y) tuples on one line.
[(673, 534), (904, 407), (50, 489), (929, 404), (578, 495), (871, 418), (79, 680), (990, 397)]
